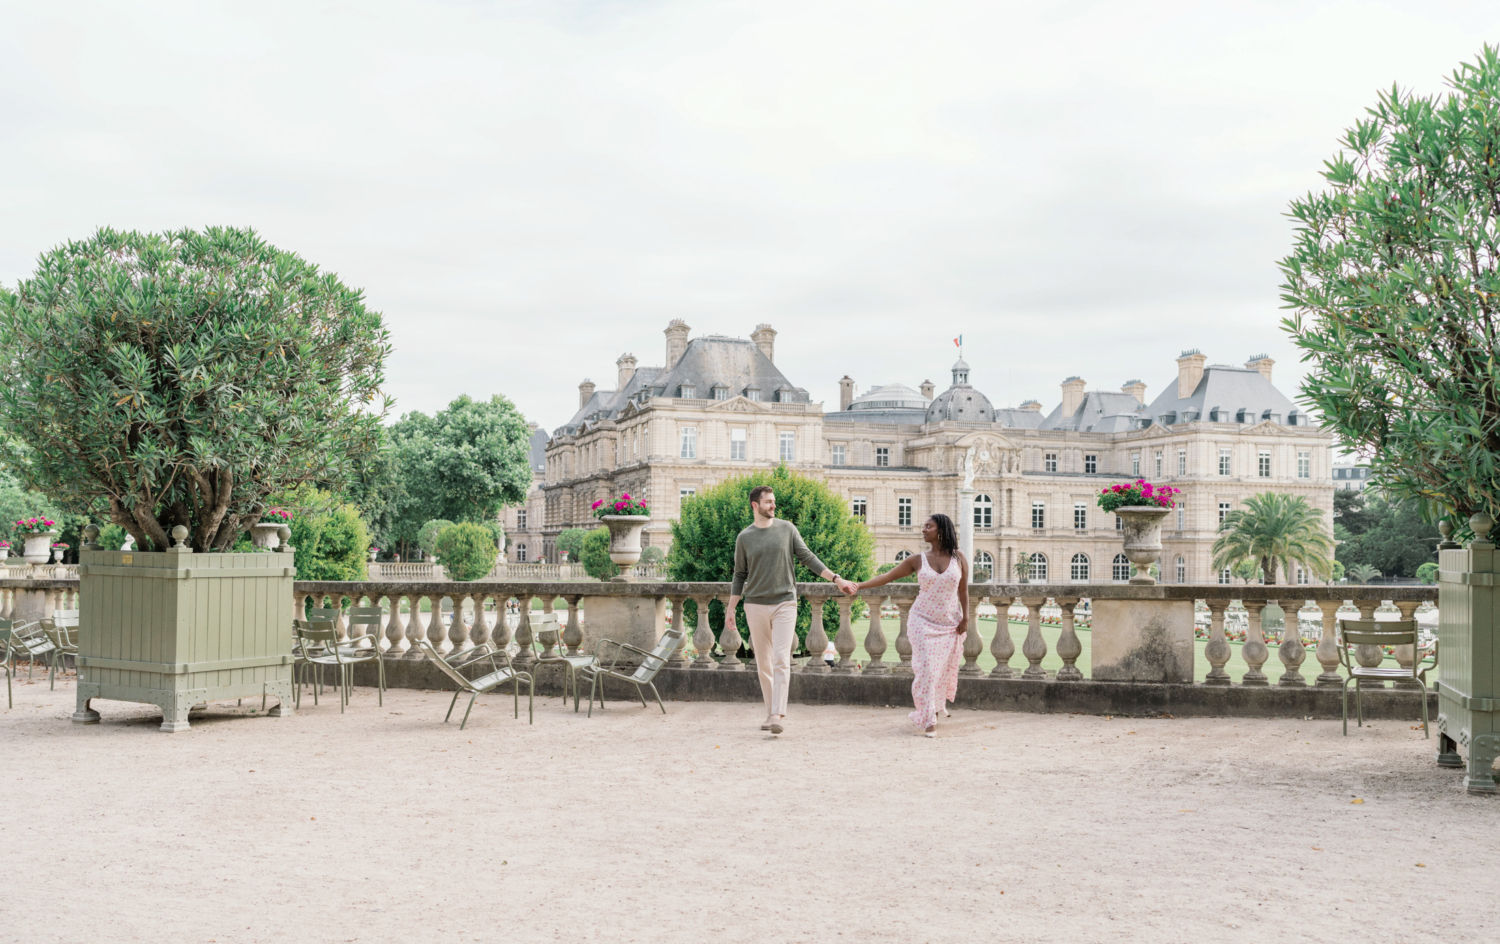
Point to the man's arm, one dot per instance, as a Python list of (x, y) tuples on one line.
[(810, 560), (737, 587)]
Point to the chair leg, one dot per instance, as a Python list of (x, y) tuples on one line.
[(467, 710), (657, 695), (515, 707), (1359, 700), (380, 666), (1345, 700), (450, 708), (641, 695), (1423, 693), (593, 685), (531, 698)]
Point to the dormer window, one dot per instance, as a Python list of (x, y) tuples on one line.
[(721, 391), (1215, 415), (687, 391), (752, 393), (1241, 415)]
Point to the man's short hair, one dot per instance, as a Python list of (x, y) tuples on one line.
[(759, 492)]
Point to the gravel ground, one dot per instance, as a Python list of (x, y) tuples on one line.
[(382, 824)]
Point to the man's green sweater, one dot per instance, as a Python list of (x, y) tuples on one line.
[(763, 563)]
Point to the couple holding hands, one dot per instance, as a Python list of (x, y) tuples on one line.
[(764, 578)]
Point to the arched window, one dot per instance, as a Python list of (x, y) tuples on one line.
[(1038, 566), (1080, 570), (1181, 570), (983, 562), (1119, 568), (984, 512), (520, 553), (902, 555)]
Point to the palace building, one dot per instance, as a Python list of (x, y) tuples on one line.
[(719, 406)]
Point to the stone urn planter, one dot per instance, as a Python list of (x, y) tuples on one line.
[(625, 540), (264, 535), (1142, 527), (39, 547)]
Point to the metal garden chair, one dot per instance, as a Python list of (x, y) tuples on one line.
[(10, 701), (1382, 633), (637, 675), (497, 676), (31, 639), (370, 619), (548, 636), (319, 643), (62, 630)]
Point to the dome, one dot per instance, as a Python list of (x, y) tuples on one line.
[(961, 403), (890, 397)]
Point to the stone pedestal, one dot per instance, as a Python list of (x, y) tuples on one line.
[(1142, 641), (639, 621), (966, 524), (31, 605)]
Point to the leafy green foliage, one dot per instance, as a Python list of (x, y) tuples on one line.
[(330, 539), (570, 542), (652, 554), (1275, 529), (1363, 573), (464, 463), (181, 378), (703, 537), (1394, 283), (112, 537), (1248, 570), (467, 551), (17, 502), (1391, 537), (1428, 573), (428, 534), (883, 568), (594, 555)]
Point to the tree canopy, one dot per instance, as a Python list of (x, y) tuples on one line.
[(181, 378), (467, 551), (1393, 279), (593, 554), (1391, 537)]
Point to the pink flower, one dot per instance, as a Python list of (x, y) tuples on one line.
[(597, 503), (625, 497)]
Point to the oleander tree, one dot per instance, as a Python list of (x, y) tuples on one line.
[(182, 378), (1394, 285)]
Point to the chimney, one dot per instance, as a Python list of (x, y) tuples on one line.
[(765, 339), (1261, 363), (585, 391), (677, 341), (928, 389), (1189, 372), (1072, 395), (626, 364), (846, 392), (1034, 406), (1136, 389)]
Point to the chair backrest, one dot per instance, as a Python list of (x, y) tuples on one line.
[(372, 616), (436, 658), (660, 653), (1378, 632), (331, 613), (315, 635), (547, 624), (31, 637)]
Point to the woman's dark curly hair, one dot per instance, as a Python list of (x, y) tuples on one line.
[(947, 533)]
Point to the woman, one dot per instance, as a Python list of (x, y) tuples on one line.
[(938, 620)]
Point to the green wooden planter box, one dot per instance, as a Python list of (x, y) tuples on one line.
[(176, 629), (1469, 661)]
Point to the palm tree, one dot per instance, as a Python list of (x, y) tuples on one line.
[(1275, 528), (1363, 573)]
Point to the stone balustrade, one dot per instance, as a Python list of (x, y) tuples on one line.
[(504, 571)]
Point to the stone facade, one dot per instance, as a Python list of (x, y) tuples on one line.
[(1220, 433)]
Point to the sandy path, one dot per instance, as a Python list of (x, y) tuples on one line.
[(383, 825)]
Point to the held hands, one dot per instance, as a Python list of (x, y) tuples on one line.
[(848, 587)]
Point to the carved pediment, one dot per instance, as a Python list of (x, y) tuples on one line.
[(1266, 426), (993, 454), (738, 405)]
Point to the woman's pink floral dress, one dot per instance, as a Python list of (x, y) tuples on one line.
[(936, 646)]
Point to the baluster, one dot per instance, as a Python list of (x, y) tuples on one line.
[(500, 636), (458, 633), (817, 640), (392, 627), (1217, 651), (1034, 648), (1291, 651), (411, 625), (973, 642), (572, 636), (678, 659), (435, 633), (875, 641), (730, 641), (1406, 655), (1367, 656), (703, 637), (1069, 646), (548, 638), (525, 656), (479, 633), (9, 610), (1328, 647), (1254, 651), (1002, 647), (903, 641), (843, 640)]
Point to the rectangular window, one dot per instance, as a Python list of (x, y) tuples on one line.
[(1265, 463), (689, 443), (687, 392), (1049, 462), (1301, 574), (686, 491), (1181, 519), (1224, 576), (1091, 464), (1182, 462), (520, 553), (1135, 464), (737, 438), (838, 455), (1223, 512), (1080, 516), (1119, 523), (1158, 463), (882, 456), (1223, 461), (788, 447), (1038, 514), (860, 507), (521, 520), (1181, 570), (721, 393), (903, 512), (752, 394), (1304, 465)]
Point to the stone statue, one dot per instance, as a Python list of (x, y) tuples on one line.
[(129, 544), (969, 468)]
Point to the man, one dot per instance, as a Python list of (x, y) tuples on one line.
[(764, 576)]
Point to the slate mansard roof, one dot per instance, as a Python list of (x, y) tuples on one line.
[(1227, 395), (1101, 412)]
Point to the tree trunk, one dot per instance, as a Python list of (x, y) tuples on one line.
[(1268, 567)]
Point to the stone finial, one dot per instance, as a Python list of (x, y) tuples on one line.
[(1481, 524), (91, 538), (180, 535), (285, 534), (1445, 528)]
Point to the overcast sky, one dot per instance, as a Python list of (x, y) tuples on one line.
[(528, 189)]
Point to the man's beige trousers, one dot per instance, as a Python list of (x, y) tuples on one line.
[(773, 630)]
